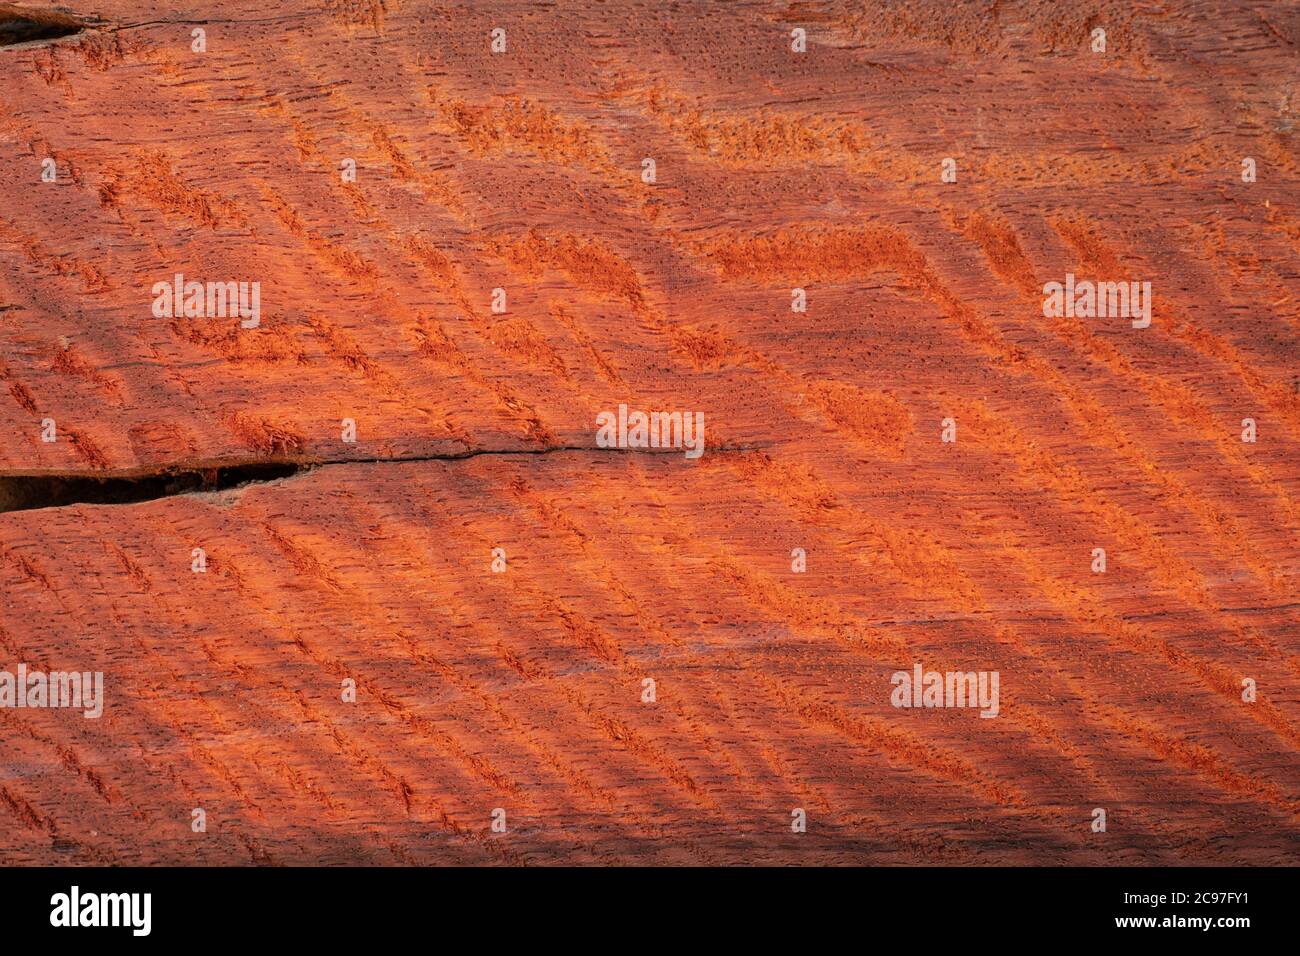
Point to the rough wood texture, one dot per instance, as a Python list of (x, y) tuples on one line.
[(775, 170)]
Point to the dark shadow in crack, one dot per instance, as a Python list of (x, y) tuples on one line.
[(25, 492), (23, 25)]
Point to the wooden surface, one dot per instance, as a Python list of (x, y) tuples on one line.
[(775, 170)]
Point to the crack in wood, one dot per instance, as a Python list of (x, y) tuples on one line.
[(25, 25), (27, 492)]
